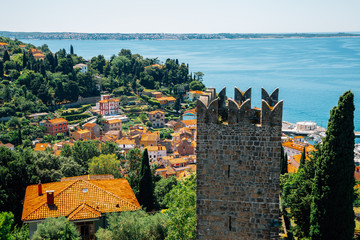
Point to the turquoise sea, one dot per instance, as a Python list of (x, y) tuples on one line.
[(310, 73)]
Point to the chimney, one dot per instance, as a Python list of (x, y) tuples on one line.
[(50, 197), (40, 188)]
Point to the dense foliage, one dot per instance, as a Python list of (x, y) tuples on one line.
[(134, 225), (105, 164), (36, 84), (56, 228), (146, 189), (181, 203), (163, 187), (320, 195), (18, 169), (332, 214), (10, 232), (297, 195)]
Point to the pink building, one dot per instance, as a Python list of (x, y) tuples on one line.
[(108, 106)]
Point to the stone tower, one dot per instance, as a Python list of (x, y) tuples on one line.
[(238, 166)]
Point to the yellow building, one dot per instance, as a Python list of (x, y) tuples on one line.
[(81, 134)]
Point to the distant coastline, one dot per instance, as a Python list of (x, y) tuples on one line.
[(166, 36)]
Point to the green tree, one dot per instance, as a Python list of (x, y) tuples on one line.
[(15, 123), (332, 214), (7, 93), (83, 151), (109, 148), (24, 60), (181, 203), (283, 162), (56, 229), (196, 85), (66, 150), (71, 50), (134, 225), (199, 76), (177, 105), (51, 168), (162, 188), (59, 92), (6, 222), (302, 159), (49, 138), (146, 189), (143, 117), (98, 63), (132, 166), (20, 233), (72, 91), (16, 173), (1, 69), (44, 94), (105, 164), (297, 195), (6, 56)]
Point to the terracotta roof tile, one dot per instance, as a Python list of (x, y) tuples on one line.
[(42, 146), (156, 111), (112, 121), (155, 148), (90, 125), (111, 195), (57, 120), (84, 212), (125, 141), (189, 122)]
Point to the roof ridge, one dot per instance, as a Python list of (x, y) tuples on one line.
[(80, 207)]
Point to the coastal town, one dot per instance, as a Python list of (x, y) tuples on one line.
[(91, 129)]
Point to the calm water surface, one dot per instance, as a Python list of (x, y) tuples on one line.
[(311, 73)]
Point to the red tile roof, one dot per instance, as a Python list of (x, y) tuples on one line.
[(57, 120), (90, 125), (80, 199)]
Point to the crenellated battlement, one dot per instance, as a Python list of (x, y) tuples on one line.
[(212, 109)]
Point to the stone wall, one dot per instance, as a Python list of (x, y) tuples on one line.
[(238, 166)]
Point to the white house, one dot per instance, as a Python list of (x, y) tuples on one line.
[(83, 67), (126, 144), (156, 153)]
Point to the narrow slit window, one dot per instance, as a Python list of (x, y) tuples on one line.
[(229, 223), (228, 171)]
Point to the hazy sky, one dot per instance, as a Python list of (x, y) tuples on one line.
[(182, 16)]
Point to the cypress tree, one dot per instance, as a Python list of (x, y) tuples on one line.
[(302, 159), (6, 56), (146, 190), (332, 215), (71, 50), (283, 162), (1, 69), (24, 60)]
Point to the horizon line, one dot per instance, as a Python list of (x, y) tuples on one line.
[(336, 32)]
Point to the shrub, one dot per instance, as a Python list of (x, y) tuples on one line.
[(56, 228)]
